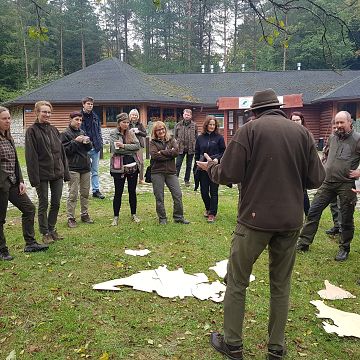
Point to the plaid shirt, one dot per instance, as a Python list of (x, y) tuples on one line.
[(7, 158)]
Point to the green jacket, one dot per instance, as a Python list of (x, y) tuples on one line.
[(274, 159), (163, 156), (343, 156), (130, 149)]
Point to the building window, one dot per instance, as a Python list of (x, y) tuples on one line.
[(153, 114), (111, 113), (349, 107), (220, 119), (99, 112)]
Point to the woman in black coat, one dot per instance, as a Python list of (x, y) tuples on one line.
[(212, 143)]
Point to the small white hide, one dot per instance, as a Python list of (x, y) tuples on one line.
[(333, 292), (221, 269), (143, 252)]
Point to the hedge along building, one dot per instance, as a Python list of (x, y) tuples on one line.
[(117, 87)]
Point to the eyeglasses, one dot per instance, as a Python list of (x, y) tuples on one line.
[(158, 130)]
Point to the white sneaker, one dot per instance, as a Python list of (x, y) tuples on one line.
[(135, 218), (115, 221)]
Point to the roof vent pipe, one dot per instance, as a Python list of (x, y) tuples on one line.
[(202, 68), (211, 68), (242, 67), (298, 66), (122, 54)]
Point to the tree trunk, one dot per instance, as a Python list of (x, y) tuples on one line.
[(39, 59), (26, 58), (61, 50), (126, 30), (189, 31), (285, 46), (225, 36)]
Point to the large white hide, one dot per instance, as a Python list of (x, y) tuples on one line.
[(345, 323)]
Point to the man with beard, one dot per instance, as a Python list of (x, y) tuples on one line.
[(342, 161)]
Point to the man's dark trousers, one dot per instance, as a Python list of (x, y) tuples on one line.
[(24, 204), (179, 161), (325, 194), (246, 247)]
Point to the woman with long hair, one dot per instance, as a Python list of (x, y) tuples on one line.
[(213, 144), (124, 165), (163, 151), (298, 118), (47, 167), (13, 189), (139, 130)]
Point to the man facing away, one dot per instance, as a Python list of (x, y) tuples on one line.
[(342, 161), (92, 127), (273, 158), (186, 133)]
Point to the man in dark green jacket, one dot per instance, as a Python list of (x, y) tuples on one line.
[(274, 159), (13, 189), (342, 160)]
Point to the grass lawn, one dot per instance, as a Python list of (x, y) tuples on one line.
[(48, 309)]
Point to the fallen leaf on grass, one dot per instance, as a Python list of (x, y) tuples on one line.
[(104, 356), (12, 355), (206, 327), (33, 349), (150, 342)]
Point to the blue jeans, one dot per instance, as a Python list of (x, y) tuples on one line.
[(94, 169)]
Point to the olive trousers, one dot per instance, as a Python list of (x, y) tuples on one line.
[(247, 245)]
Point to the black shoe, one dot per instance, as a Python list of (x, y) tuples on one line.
[(86, 219), (275, 354), (182, 221), (36, 247), (302, 247), (333, 231), (218, 343), (98, 194), (342, 255), (4, 255)]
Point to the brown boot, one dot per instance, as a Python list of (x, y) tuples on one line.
[(47, 239)]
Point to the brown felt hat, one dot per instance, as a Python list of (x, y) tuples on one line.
[(264, 98)]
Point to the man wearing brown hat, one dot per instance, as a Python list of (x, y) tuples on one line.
[(273, 158), (77, 145)]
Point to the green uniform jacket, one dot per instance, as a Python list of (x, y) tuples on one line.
[(274, 159)]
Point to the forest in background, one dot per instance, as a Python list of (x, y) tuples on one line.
[(43, 40)]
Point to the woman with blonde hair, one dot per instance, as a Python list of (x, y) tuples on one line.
[(13, 189), (124, 165), (139, 130), (163, 151), (47, 167)]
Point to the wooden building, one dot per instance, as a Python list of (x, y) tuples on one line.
[(117, 86)]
